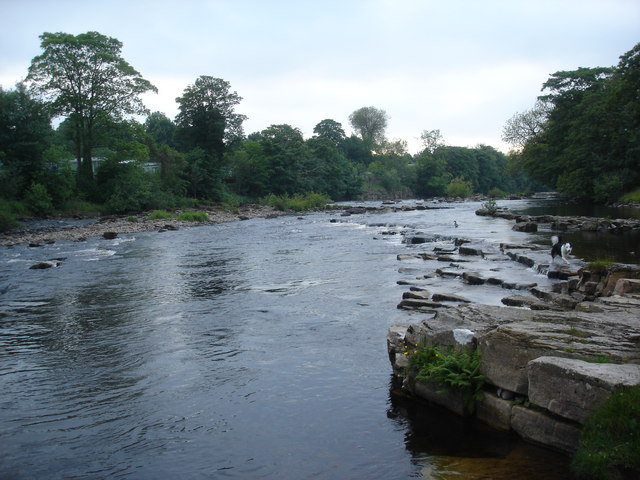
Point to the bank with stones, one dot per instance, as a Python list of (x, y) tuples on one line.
[(550, 355)]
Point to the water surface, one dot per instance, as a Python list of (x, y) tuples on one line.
[(252, 349)]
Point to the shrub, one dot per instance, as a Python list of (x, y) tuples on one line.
[(193, 217), (633, 197), (298, 202), (7, 217), (38, 200), (453, 369), (490, 206), (496, 193), (610, 439), (159, 214), (459, 187)]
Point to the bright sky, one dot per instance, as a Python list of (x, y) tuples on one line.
[(463, 67)]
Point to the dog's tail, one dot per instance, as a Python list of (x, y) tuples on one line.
[(555, 240)]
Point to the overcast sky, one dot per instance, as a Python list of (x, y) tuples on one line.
[(463, 67)]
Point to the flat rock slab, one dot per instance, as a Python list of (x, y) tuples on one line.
[(540, 428), (572, 388), (509, 338)]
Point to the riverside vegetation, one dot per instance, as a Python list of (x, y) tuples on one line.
[(100, 159)]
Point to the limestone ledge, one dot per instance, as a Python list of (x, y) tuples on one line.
[(548, 362)]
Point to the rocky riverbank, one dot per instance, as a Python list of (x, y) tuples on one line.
[(114, 225), (551, 352)]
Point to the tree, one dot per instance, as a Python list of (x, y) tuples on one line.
[(25, 134), (161, 128), (588, 147), (431, 140), (432, 177), (209, 95), (85, 78), (284, 150), (331, 130), (370, 123), (525, 126)]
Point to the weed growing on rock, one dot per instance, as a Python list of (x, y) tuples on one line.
[(490, 206), (454, 369), (610, 439)]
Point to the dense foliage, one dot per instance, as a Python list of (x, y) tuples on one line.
[(610, 440), (583, 137), (455, 369), (100, 154)]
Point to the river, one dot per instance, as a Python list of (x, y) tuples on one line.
[(252, 349)]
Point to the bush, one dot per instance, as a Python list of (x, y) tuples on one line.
[(38, 200), (7, 217), (454, 369), (496, 193), (298, 202), (193, 217), (159, 214), (490, 206), (459, 187), (610, 439), (631, 197)]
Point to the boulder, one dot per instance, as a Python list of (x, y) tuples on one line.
[(419, 295), (539, 427), (525, 227), (573, 388), (494, 411), (434, 393), (109, 235), (524, 301), (473, 278), (468, 250), (449, 297), (42, 265), (420, 304), (627, 286)]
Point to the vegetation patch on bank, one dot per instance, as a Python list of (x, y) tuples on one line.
[(610, 439), (455, 369)]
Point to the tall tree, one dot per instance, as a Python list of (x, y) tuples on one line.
[(206, 96), (370, 123), (25, 133), (161, 128), (331, 130), (206, 126), (431, 140), (525, 126), (85, 78)]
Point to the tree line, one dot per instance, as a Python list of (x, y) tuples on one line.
[(204, 155), (582, 137)]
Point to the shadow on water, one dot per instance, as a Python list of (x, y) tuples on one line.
[(466, 448), (558, 206)]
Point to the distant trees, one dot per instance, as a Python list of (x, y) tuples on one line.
[(206, 126), (203, 153), (587, 146), (370, 123), (25, 135), (525, 126), (85, 78)]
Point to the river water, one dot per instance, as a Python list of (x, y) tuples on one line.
[(253, 349)]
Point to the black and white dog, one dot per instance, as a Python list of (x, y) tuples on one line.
[(559, 249)]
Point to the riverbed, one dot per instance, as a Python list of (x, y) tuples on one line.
[(251, 349)]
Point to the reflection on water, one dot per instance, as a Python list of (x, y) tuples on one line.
[(245, 350), (454, 448), (555, 205)]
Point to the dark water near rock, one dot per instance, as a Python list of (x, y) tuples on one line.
[(252, 349)]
